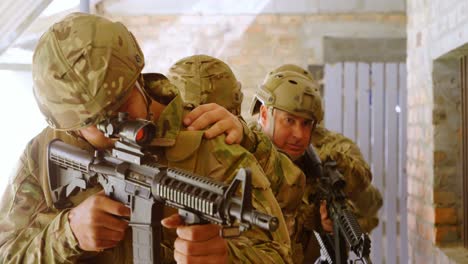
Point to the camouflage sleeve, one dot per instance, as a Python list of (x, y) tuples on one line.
[(367, 206), (286, 179), (365, 198), (30, 231), (249, 138), (254, 245), (348, 157)]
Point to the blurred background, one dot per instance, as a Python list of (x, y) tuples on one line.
[(393, 76)]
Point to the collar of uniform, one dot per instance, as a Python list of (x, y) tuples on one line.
[(169, 123)]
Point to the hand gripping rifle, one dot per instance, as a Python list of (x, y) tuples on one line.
[(346, 227), (132, 176)]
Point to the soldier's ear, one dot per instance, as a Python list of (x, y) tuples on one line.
[(263, 116)]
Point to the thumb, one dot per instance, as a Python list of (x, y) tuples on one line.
[(172, 221)]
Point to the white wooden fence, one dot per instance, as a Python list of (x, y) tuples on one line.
[(367, 103)]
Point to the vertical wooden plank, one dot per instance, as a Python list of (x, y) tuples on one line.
[(464, 147), (402, 190), (333, 91), (349, 91), (377, 114), (363, 113), (391, 160)]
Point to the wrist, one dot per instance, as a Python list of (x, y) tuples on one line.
[(249, 139)]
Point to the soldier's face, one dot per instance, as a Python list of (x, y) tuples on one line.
[(135, 106), (291, 133)]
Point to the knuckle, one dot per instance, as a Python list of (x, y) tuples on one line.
[(96, 200), (91, 218), (210, 115), (209, 105), (122, 210)]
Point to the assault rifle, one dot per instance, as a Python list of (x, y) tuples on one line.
[(132, 176), (346, 227)]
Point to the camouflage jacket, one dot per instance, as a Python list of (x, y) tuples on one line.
[(33, 231), (286, 179), (281, 172), (365, 199)]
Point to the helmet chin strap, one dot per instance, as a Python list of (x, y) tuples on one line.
[(270, 124), (147, 99)]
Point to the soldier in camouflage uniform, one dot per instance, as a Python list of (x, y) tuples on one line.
[(86, 69), (365, 198), (290, 107), (202, 80)]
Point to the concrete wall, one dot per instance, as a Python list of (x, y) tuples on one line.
[(257, 7), (253, 44), (364, 49)]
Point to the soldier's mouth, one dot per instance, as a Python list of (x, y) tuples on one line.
[(295, 147)]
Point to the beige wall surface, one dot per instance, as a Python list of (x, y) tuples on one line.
[(252, 45)]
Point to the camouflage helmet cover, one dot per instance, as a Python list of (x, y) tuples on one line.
[(84, 68), (291, 68), (159, 88), (291, 92), (203, 79)]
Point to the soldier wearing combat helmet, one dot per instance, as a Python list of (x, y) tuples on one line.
[(203, 79), (280, 94), (365, 198), (290, 109), (198, 77), (85, 70)]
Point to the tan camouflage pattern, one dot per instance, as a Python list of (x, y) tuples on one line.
[(300, 211), (83, 69), (306, 248), (287, 181), (33, 231), (291, 68), (350, 162), (203, 79), (364, 198), (92, 54), (290, 92), (159, 88), (220, 161)]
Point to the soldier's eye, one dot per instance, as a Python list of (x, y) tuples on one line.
[(290, 120), (308, 123)]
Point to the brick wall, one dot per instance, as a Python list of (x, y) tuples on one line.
[(252, 44), (435, 29), (447, 160)]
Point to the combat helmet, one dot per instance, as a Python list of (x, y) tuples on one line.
[(84, 68), (203, 79), (291, 92), (291, 68)]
